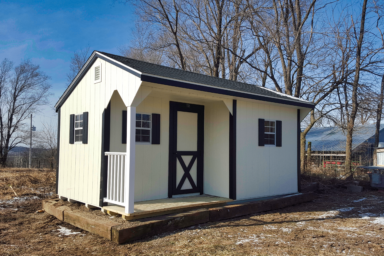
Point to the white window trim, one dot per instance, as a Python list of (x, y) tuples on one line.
[(270, 145), (74, 123), (101, 72), (150, 129)]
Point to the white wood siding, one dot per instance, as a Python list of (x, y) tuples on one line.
[(216, 150), (151, 180), (117, 107), (151, 176), (79, 176), (268, 170)]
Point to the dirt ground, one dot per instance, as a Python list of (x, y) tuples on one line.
[(337, 223)]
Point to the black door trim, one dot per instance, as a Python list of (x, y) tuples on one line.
[(174, 155)]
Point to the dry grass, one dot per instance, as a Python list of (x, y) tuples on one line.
[(329, 178), (26, 182), (337, 223)]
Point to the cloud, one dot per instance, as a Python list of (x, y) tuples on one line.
[(13, 53)]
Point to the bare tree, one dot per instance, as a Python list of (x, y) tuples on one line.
[(355, 85), (378, 113), (378, 9), (292, 46), (77, 62), (22, 90), (46, 142), (199, 36)]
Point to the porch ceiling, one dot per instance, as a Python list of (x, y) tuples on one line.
[(183, 95)]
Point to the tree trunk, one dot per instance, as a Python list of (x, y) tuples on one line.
[(302, 152), (3, 160), (378, 116), (309, 149), (351, 121)]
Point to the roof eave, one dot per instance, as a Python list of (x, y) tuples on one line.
[(223, 91)]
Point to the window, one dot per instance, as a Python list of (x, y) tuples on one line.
[(97, 73), (79, 128), (143, 128), (269, 132)]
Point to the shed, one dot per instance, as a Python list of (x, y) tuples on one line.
[(132, 131)]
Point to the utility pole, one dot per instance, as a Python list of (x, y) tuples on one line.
[(30, 146)]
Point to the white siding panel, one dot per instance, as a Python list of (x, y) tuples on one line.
[(283, 161), (216, 150), (151, 176), (269, 170), (117, 108)]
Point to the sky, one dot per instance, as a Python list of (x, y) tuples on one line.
[(49, 32)]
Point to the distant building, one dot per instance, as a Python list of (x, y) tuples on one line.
[(328, 144)]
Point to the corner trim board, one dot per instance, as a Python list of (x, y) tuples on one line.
[(105, 141), (232, 151), (298, 152), (58, 150)]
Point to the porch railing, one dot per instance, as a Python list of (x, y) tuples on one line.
[(115, 178)]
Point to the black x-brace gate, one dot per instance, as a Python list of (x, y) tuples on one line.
[(174, 155)]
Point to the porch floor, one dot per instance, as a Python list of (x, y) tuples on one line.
[(158, 207)]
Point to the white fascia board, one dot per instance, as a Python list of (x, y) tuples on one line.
[(90, 60), (118, 62)]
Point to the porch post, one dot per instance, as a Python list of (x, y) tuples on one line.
[(129, 188)]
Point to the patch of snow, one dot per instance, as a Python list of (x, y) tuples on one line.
[(328, 214), (379, 220), (367, 215), (269, 227), (359, 200), (66, 232), (19, 199), (300, 224), (348, 209), (251, 239), (348, 229), (286, 230)]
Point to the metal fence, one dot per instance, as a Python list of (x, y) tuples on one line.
[(22, 161)]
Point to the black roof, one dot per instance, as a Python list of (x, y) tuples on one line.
[(185, 79), (187, 76)]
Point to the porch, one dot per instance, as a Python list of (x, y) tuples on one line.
[(115, 195), (159, 207), (171, 144)]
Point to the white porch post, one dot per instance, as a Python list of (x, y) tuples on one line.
[(129, 188)]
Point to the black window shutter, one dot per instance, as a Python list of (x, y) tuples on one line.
[(71, 129), (155, 128), (85, 128), (261, 132), (124, 128), (278, 133)]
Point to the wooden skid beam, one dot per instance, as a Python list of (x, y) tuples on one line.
[(123, 233)]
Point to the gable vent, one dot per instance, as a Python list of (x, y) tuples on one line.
[(98, 73)]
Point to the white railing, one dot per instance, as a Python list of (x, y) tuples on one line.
[(115, 178)]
